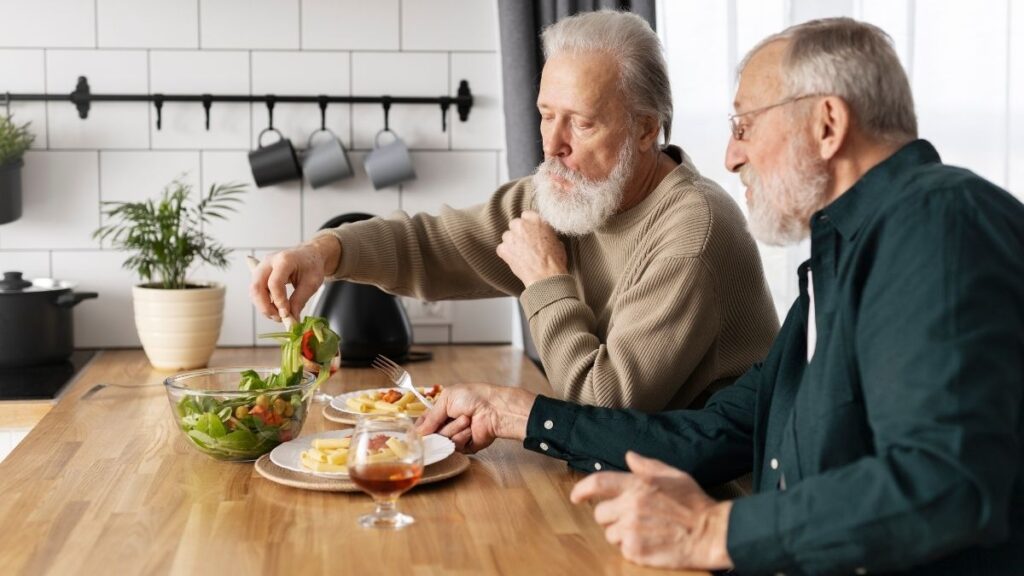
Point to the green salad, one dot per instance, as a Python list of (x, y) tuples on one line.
[(246, 427)]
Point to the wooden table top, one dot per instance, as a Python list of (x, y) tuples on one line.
[(109, 484)]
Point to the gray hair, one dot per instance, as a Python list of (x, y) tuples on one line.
[(643, 76), (855, 61)]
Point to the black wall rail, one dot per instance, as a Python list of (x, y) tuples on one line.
[(83, 98)]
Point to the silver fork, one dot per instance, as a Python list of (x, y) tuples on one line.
[(400, 377)]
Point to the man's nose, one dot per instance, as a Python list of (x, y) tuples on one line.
[(556, 143), (735, 157)]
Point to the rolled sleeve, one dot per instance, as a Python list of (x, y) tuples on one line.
[(543, 293)]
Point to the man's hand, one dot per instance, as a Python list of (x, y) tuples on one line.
[(304, 267), (658, 515), (532, 250), (474, 415)]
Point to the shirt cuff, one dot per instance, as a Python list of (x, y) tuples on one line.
[(547, 291), (548, 427), (753, 539)]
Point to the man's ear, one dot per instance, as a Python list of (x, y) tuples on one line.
[(832, 118), (649, 128)]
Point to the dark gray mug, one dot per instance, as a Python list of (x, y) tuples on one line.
[(274, 163), (326, 161), (389, 164)]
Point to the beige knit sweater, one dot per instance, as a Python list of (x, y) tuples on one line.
[(661, 302)]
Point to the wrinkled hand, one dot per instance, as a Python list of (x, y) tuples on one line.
[(658, 515), (302, 267), (532, 250), (474, 415)]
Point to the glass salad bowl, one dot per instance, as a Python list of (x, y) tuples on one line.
[(238, 414)]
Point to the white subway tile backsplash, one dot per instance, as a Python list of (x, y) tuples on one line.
[(110, 124), (249, 23), (196, 72), (147, 24), (489, 320), (458, 179), (35, 264), (350, 25), (485, 127), (355, 194), (400, 74), (108, 320), (302, 73), (442, 25), (238, 326), (23, 71), (268, 217), (240, 47), (60, 202), (48, 23), (139, 175), (431, 334)]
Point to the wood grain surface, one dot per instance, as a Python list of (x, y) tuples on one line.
[(108, 485)]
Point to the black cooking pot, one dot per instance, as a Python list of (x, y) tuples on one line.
[(36, 326)]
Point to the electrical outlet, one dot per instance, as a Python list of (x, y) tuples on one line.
[(423, 313)]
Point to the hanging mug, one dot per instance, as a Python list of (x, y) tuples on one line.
[(326, 161), (274, 163), (389, 164)]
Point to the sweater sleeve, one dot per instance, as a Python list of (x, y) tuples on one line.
[(661, 328), (448, 256)]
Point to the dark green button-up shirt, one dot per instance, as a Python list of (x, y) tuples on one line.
[(900, 445)]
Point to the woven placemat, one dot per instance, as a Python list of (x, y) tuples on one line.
[(334, 415), (451, 466)]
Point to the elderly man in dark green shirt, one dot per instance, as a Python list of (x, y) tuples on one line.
[(885, 429)]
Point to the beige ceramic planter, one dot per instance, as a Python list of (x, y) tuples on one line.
[(179, 328)]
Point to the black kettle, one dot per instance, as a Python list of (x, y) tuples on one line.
[(369, 320)]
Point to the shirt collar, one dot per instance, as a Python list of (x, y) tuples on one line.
[(852, 209)]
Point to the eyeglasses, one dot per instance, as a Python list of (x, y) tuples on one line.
[(738, 129)]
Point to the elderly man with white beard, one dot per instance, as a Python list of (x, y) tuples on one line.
[(885, 428), (642, 286)]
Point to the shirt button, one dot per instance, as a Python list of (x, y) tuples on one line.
[(780, 574), (774, 464), (548, 424), (544, 446), (861, 571), (597, 465)]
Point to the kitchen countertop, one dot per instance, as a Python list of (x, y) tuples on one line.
[(109, 483)]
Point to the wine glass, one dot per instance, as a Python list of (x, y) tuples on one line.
[(385, 459)]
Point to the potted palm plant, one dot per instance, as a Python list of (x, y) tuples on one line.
[(178, 319), (14, 141)]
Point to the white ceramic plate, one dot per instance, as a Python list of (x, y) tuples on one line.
[(339, 401), (288, 455)]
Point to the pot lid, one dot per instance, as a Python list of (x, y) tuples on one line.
[(13, 282)]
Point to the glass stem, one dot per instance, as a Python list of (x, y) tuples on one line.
[(386, 508)]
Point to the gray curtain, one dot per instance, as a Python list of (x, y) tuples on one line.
[(520, 23)]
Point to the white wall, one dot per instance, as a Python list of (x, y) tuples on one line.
[(400, 47), (965, 60)]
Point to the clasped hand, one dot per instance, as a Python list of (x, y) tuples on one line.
[(531, 249)]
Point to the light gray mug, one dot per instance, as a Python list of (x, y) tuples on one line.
[(326, 161), (389, 164)]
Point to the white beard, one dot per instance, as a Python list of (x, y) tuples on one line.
[(781, 204), (587, 204)]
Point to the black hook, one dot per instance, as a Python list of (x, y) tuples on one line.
[(386, 102), (207, 102), (271, 101), (322, 100), (444, 114), (158, 101)]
